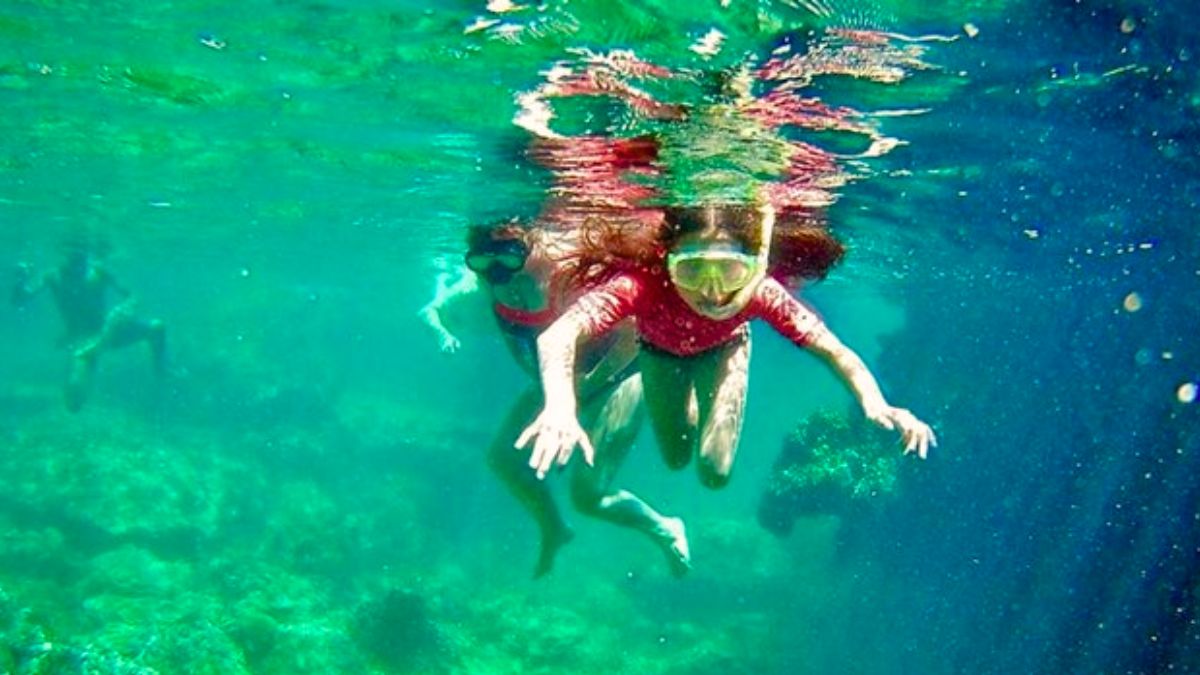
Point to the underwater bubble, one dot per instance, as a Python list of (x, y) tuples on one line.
[(1132, 303), (1128, 25), (1186, 392)]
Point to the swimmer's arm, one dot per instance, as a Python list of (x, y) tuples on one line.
[(124, 295), (446, 292), (917, 436), (800, 324), (556, 431), (558, 347), (123, 306), (848, 364), (595, 313)]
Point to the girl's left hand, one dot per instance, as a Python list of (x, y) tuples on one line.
[(917, 435)]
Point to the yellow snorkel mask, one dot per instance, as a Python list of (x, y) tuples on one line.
[(725, 272)]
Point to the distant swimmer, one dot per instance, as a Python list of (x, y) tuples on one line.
[(81, 287)]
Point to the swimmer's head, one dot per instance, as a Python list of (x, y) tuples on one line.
[(496, 252), (717, 255)]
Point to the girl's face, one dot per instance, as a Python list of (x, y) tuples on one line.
[(714, 273)]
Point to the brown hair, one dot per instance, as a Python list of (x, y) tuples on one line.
[(608, 245), (802, 247), (484, 236)]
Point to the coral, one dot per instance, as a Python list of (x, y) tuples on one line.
[(831, 464), (399, 630), (111, 477)]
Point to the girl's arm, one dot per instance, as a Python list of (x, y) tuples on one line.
[(801, 325), (619, 353), (849, 365), (557, 429), (444, 294), (917, 435)]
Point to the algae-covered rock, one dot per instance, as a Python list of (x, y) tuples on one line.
[(399, 630), (177, 87), (831, 464), (110, 478)]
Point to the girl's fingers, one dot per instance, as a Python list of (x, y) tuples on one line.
[(545, 460), (589, 453), (523, 439)]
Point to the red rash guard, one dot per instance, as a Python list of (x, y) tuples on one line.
[(665, 321)]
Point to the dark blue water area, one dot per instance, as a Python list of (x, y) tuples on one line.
[(1058, 523)]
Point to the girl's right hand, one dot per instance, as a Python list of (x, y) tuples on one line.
[(450, 344), (557, 434)]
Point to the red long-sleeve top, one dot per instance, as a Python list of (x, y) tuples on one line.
[(665, 321)]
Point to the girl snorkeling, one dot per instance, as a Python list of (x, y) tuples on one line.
[(693, 285), (514, 264)]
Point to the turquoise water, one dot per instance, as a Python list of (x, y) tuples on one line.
[(280, 183)]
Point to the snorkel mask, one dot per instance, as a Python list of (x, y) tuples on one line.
[(726, 272), (497, 260)]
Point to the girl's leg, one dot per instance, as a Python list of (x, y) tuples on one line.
[(613, 433), (669, 393), (721, 391), (511, 466)]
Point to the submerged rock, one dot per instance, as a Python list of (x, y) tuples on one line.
[(400, 632), (831, 464)]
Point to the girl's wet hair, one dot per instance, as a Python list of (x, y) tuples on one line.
[(741, 222), (802, 247), (488, 237)]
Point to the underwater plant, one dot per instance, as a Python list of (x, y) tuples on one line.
[(399, 630), (830, 464)]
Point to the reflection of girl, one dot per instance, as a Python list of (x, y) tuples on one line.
[(514, 265), (693, 287)]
